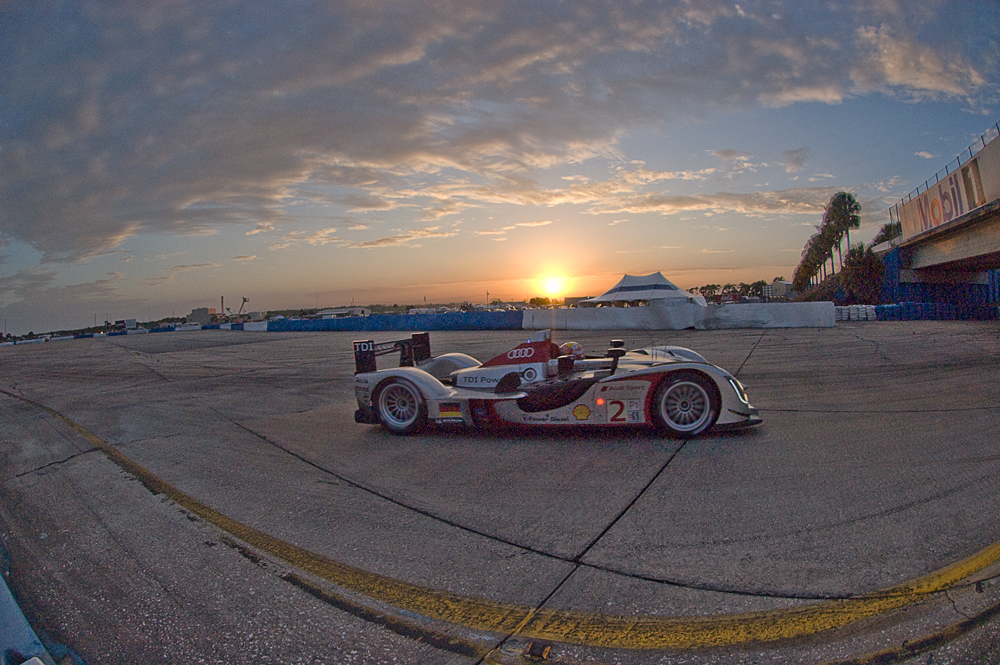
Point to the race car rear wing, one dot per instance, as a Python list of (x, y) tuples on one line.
[(411, 351)]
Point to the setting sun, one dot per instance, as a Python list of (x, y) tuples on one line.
[(553, 286)]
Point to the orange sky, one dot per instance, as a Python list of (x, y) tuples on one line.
[(320, 154)]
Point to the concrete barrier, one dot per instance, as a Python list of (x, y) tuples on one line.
[(771, 315), (686, 315), (652, 317), (408, 322)]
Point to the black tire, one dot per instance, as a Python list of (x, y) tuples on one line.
[(686, 404), (400, 406)]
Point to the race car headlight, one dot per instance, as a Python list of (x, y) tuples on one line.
[(740, 391)]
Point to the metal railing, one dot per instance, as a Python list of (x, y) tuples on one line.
[(949, 168)]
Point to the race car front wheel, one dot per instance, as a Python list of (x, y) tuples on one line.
[(686, 404), (400, 407)]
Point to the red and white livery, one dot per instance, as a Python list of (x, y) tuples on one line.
[(538, 383)]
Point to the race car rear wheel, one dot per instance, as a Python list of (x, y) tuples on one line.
[(686, 404), (400, 406)]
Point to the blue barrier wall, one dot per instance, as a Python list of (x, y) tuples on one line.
[(965, 301), (409, 322)]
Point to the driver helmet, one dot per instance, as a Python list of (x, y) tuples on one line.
[(571, 349)]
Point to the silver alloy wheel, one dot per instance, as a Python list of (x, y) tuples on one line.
[(400, 407), (686, 406)]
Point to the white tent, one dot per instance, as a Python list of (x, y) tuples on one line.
[(647, 288)]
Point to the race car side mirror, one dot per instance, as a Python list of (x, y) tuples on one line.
[(565, 365), (615, 354)]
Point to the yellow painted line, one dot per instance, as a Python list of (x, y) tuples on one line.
[(910, 649), (583, 628)]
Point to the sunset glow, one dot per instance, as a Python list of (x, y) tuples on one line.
[(428, 152), (553, 286)]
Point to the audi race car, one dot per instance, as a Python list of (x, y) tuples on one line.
[(539, 383)]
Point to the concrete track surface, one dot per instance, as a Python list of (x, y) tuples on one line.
[(206, 497)]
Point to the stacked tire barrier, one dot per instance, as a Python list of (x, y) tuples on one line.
[(856, 313), (934, 311), (916, 311)]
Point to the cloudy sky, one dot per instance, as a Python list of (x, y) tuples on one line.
[(157, 156)]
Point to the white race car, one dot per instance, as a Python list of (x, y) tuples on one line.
[(540, 383)]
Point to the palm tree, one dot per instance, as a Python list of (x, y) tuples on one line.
[(839, 217), (810, 264), (888, 232), (756, 288), (842, 215), (828, 238), (709, 290)]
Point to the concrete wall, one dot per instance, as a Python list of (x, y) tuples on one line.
[(679, 317), (772, 315), (411, 322), (652, 317)]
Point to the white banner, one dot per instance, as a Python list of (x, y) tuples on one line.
[(973, 184)]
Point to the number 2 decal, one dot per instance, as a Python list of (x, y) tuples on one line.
[(616, 417)]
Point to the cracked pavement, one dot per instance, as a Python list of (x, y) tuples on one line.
[(875, 466)]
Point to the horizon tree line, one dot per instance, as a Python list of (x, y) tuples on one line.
[(742, 289), (841, 215)]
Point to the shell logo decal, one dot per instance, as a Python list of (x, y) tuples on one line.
[(581, 412)]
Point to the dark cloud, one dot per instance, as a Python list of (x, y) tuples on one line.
[(26, 285), (794, 160), (19, 285), (180, 117)]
